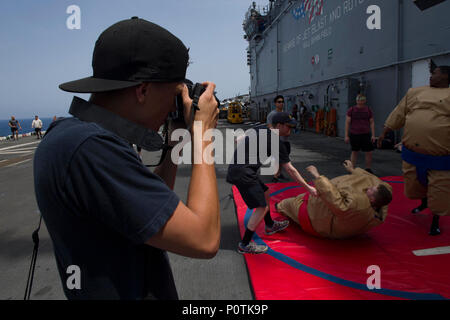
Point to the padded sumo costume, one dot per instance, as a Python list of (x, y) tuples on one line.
[(425, 114), (341, 210)]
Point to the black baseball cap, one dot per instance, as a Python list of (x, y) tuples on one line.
[(131, 52), (283, 118)]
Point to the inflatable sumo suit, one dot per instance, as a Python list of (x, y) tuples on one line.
[(341, 210), (425, 115)]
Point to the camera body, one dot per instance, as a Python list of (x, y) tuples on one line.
[(195, 91)]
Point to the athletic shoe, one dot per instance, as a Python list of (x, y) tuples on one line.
[(276, 206), (252, 247), (277, 226)]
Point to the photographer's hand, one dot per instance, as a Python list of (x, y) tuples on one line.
[(209, 111), (194, 228)]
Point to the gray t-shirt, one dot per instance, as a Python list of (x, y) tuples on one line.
[(270, 116)]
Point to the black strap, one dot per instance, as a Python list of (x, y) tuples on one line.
[(35, 238), (165, 147)]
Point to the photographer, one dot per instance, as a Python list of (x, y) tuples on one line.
[(105, 211)]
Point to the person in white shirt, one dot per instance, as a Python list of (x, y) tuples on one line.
[(37, 125)]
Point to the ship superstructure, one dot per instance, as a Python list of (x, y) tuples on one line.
[(324, 52)]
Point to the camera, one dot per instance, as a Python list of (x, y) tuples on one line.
[(195, 91)]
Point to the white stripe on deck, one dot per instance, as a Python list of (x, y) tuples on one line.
[(15, 164), (16, 152), (432, 251), (19, 145)]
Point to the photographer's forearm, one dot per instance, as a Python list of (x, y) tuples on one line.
[(167, 170), (203, 198)]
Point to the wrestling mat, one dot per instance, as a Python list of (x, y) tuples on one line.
[(299, 266)]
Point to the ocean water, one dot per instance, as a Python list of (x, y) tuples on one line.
[(5, 130)]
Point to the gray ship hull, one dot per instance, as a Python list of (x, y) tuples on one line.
[(324, 52)]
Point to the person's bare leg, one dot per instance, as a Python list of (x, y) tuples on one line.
[(354, 158), (267, 217), (368, 160), (267, 196), (256, 218)]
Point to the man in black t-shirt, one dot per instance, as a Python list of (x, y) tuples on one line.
[(253, 191)]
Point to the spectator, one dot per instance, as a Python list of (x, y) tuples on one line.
[(360, 131), (37, 125), (294, 115), (303, 115), (279, 106), (15, 127)]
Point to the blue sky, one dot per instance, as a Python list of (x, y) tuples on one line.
[(38, 51)]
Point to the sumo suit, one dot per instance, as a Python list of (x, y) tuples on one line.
[(342, 208), (425, 114)]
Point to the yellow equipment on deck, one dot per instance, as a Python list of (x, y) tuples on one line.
[(234, 112)]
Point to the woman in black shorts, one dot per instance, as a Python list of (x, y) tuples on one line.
[(360, 131)]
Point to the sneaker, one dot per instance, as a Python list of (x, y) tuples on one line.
[(252, 247), (277, 226), (276, 206)]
